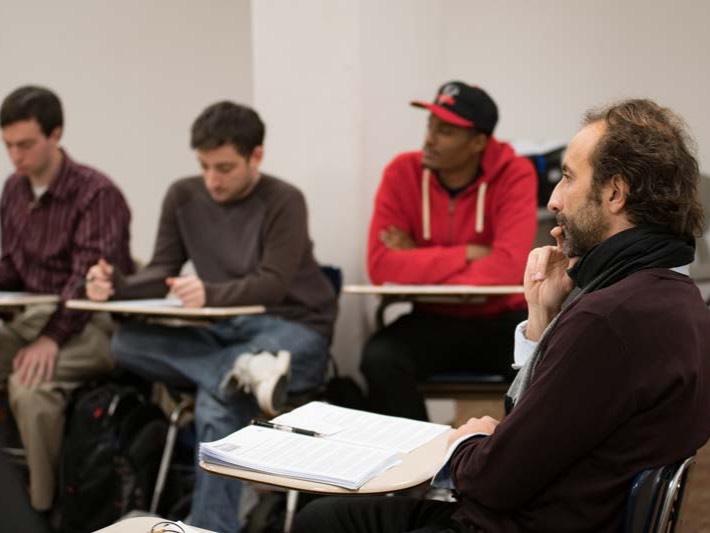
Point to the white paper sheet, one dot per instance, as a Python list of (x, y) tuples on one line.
[(147, 303), (362, 428), (287, 454)]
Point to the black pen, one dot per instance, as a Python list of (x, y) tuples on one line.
[(281, 427)]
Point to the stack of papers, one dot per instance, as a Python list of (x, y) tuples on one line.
[(144, 303), (352, 446), (13, 294)]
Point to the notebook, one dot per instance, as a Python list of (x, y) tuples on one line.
[(351, 448)]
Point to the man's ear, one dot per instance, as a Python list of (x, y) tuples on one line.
[(615, 192), (256, 156), (478, 143), (56, 134)]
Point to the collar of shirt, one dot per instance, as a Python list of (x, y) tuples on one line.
[(60, 187)]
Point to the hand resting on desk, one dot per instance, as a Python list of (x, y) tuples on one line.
[(99, 286), (189, 289), (486, 425)]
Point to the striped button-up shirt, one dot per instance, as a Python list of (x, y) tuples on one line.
[(49, 243)]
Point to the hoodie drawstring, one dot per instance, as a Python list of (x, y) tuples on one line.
[(480, 201), (426, 207)]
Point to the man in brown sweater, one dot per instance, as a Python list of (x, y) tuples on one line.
[(246, 234), (616, 378)]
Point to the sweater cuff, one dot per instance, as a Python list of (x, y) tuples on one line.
[(443, 479), (214, 294), (57, 333), (451, 259), (524, 348)]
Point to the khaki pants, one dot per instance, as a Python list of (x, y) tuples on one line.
[(39, 411)]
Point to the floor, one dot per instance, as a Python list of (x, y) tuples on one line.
[(695, 515)]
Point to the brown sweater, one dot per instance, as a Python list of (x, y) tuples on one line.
[(623, 385), (255, 251)]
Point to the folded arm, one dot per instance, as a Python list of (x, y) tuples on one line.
[(514, 231), (501, 263), (389, 261)]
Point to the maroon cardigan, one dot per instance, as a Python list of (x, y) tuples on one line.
[(623, 385)]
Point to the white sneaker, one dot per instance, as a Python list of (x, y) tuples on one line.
[(264, 375)]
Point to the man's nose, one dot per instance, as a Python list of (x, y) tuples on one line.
[(210, 178), (15, 155), (555, 202)]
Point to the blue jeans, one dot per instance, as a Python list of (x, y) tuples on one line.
[(202, 356)]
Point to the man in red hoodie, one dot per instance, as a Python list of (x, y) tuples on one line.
[(462, 211)]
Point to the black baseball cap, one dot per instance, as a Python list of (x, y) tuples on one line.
[(461, 104)]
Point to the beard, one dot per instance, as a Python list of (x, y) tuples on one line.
[(583, 231)]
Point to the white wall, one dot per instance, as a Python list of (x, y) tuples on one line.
[(352, 67), (307, 87), (547, 61), (333, 79), (132, 76)]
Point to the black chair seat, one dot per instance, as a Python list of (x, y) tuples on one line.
[(463, 383), (655, 498)]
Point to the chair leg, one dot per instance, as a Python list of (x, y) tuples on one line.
[(15, 455), (291, 503), (673, 495), (175, 417)]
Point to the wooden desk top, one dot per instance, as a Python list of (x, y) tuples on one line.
[(416, 468), (135, 308), (19, 299), (434, 290)]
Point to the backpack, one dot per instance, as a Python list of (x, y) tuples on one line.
[(112, 448), (548, 166), (344, 390)]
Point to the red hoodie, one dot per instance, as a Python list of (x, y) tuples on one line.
[(498, 210)]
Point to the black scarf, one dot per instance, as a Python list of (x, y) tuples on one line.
[(618, 256), (629, 251)]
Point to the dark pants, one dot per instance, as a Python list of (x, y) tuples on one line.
[(15, 510), (416, 346), (353, 514)]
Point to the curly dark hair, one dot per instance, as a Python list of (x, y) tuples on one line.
[(650, 147), (228, 123)]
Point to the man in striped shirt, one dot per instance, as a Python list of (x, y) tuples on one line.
[(57, 217)]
